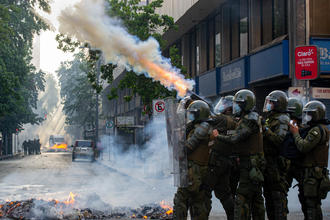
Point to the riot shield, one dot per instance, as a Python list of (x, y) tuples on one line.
[(176, 134)]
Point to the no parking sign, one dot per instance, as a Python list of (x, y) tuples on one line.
[(158, 107)]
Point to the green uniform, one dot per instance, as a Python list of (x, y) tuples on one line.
[(246, 142), (275, 185), (315, 182), (195, 197), (221, 166)]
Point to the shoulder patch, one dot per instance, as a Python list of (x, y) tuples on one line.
[(252, 116), (315, 133), (202, 130), (284, 118)]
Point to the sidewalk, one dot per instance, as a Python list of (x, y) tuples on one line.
[(6, 157)]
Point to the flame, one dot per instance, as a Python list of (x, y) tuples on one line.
[(60, 146), (70, 200), (156, 72), (166, 206), (145, 217)]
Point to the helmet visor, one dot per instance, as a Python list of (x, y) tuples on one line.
[(306, 117), (268, 105), (192, 115), (236, 109), (223, 105)]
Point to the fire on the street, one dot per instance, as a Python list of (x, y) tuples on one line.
[(59, 146), (68, 209)]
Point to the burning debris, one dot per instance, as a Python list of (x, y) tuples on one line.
[(54, 209)]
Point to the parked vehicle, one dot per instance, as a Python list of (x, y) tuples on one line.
[(84, 149)]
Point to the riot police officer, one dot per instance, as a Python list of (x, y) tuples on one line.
[(275, 130), (315, 147), (195, 197), (246, 141), (289, 149), (221, 163)]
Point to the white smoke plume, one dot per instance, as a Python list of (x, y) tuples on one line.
[(88, 22)]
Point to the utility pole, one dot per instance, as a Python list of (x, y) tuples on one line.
[(98, 71)]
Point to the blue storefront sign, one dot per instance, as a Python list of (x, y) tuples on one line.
[(232, 76), (269, 63), (324, 47), (207, 84)]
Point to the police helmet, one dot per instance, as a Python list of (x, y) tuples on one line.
[(225, 104), (198, 111), (244, 100), (295, 107), (313, 111), (276, 101)]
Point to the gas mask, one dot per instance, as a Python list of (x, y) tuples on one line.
[(306, 118), (268, 106)]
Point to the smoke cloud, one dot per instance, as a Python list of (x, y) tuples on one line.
[(88, 22)]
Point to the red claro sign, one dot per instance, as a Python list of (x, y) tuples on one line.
[(307, 62)]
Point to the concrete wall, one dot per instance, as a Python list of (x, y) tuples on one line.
[(176, 8)]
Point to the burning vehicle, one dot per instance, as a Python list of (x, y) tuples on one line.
[(57, 143), (84, 149)]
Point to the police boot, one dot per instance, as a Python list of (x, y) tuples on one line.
[(314, 213), (228, 206), (241, 209), (279, 201)]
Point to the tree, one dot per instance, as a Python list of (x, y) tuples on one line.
[(19, 80), (77, 93), (143, 22)]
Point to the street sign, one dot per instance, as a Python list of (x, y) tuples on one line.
[(124, 121), (90, 134), (296, 91), (158, 107), (321, 93), (109, 124), (307, 62)]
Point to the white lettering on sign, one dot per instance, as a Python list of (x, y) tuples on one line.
[(231, 74), (308, 53), (324, 53)]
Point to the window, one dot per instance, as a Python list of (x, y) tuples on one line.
[(280, 18), (192, 58), (210, 45), (226, 34), (198, 49), (218, 40), (243, 27)]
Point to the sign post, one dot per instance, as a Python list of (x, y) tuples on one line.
[(307, 65)]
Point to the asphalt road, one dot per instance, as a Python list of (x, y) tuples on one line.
[(54, 176)]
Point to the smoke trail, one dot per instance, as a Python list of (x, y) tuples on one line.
[(88, 22)]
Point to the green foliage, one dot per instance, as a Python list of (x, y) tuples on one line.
[(20, 83), (77, 93)]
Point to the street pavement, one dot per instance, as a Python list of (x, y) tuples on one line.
[(54, 176)]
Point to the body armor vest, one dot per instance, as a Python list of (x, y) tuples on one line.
[(252, 145), (319, 155), (220, 147), (202, 153), (269, 148)]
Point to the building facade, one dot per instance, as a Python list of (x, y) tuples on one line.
[(227, 45)]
